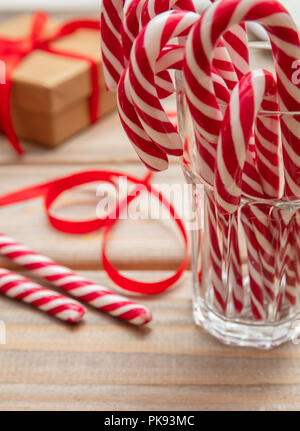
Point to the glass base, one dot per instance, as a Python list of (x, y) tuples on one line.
[(247, 334)]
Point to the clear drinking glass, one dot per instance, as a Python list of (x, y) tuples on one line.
[(246, 265)]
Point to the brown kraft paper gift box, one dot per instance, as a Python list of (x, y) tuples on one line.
[(50, 93)]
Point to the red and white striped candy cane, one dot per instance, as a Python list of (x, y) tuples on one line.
[(150, 153), (131, 25), (111, 27), (216, 263), (235, 135), (236, 131), (152, 8), (255, 268), (286, 255), (77, 286), (138, 13), (215, 21), (267, 147), (222, 60), (20, 288), (144, 54), (236, 42)]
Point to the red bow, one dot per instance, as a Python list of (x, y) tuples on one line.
[(12, 52)]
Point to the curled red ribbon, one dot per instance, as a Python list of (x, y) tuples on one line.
[(50, 191), (13, 51)]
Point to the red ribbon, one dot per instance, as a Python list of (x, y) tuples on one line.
[(13, 51), (50, 191)]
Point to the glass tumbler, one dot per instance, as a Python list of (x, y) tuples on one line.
[(246, 264)]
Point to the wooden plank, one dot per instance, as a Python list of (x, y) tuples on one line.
[(135, 244), (153, 398), (171, 365)]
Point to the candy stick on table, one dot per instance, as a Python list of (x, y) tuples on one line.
[(62, 277), (111, 26), (20, 288)]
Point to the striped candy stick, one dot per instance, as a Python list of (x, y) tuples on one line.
[(137, 13), (131, 25), (145, 51), (215, 256), (232, 169), (20, 288), (267, 128), (153, 155), (296, 232), (150, 153), (286, 256), (215, 21), (236, 42), (111, 27), (235, 136), (255, 269), (62, 277), (222, 59)]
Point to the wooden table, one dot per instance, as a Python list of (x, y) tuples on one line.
[(102, 363)]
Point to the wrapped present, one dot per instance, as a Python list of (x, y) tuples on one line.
[(54, 81)]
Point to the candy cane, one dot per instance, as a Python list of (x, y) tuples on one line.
[(65, 279), (236, 131), (222, 60), (236, 42), (216, 263), (131, 25), (111, 26), (137, 14), (254, 267), (147, 150), (215, 21), (20, 288), (286, 255), (144, 54)]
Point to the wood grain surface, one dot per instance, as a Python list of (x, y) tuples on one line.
[(103, 364)]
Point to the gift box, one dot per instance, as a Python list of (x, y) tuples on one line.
[(54, 93)]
